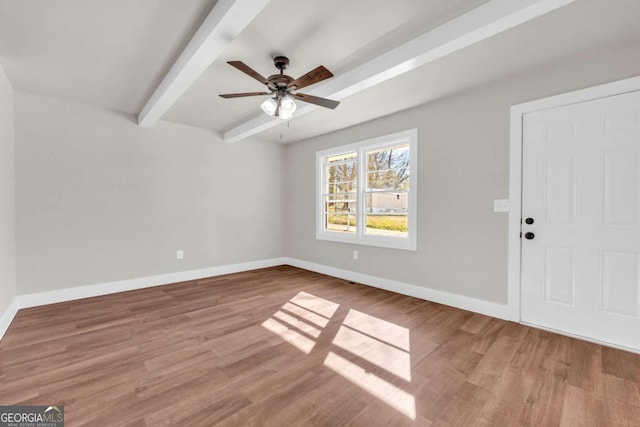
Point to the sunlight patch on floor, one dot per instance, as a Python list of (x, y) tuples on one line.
[(303, 326), (316, 304), (297, 319), (393, 396), (373, 341), (316, 319), (388, 357), (294, 338), (380, 329)]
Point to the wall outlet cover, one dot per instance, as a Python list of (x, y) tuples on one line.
[(501, 205)]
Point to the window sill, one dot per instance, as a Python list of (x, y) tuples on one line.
[(377, 241)]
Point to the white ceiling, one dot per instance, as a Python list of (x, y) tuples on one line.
[(113, 54), (107, 53), (335, 33)]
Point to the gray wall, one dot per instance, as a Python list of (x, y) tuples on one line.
[(7, 196), (101, 199), (463, 167)]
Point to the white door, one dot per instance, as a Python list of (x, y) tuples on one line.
[(581, 187)]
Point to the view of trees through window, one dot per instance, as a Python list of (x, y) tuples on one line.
[(341, 200), (385, 193)]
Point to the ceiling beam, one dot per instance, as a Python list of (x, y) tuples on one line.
[(472, 27), (223, 24)]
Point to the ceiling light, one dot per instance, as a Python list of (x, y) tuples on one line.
[(270, 106), (287, 107)]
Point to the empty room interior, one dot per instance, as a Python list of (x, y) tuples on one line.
[(324, 213)]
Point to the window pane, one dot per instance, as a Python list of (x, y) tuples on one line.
[(387, 225), (345, 223), (342, 187), (340, 200), (344, 207), (387, 214), (388, 169), (393, 203), (342, 173), (342, 178)]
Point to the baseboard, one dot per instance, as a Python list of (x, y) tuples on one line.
[(458, 301), (7, 317), (69, 294)]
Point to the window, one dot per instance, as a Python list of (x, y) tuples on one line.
[(367, 192)]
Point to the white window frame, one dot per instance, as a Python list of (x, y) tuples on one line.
[(409, 137)]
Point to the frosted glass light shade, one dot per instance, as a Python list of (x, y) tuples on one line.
[(269, 106), (287, 107)]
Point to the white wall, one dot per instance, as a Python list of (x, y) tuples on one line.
[(7, 196), (101, 199), (463, 167)]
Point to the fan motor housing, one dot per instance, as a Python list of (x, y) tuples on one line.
[(280, 80)]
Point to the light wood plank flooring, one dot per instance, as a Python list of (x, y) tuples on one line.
[(286, 347)]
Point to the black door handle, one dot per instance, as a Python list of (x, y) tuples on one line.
[(529, 221), (529, 235)]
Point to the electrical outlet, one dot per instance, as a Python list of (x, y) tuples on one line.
[(355, 254), (180, 254)]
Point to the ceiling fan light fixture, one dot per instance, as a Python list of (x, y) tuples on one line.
[(282, 104), (270, 106), (287, 107)]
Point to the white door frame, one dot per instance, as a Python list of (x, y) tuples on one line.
[(515, 171)]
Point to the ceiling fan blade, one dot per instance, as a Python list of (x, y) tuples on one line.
[(314, 76), (323, 102), (250, 72), (239, 95)]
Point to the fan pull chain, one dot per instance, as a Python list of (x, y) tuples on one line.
[(282, 128)]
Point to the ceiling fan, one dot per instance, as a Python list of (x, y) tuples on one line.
[(283, 88)]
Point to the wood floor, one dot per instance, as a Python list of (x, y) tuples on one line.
[(285, 347)]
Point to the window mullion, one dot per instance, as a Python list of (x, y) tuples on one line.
[(361, 217)]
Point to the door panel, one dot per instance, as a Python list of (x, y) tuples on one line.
[(581, 185), (560, 275), (620, 280), (560, 190), (621, 193)]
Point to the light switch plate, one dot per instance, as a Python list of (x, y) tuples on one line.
[(501, 205)]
